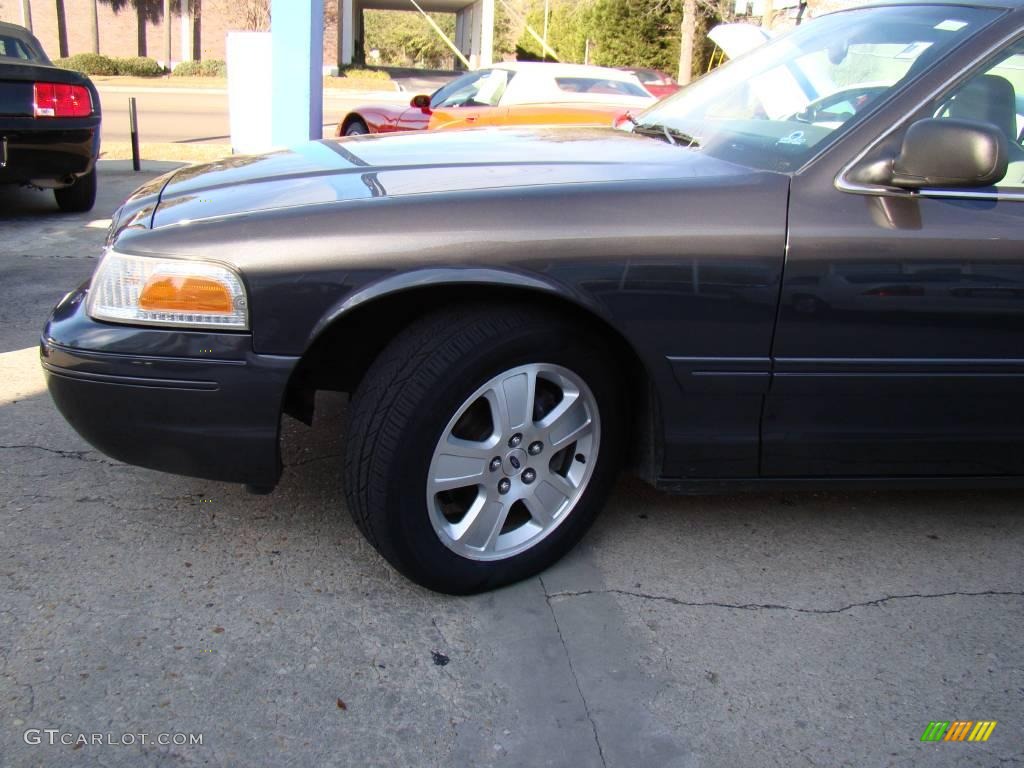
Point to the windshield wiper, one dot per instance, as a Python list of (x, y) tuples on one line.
[(672, 135)]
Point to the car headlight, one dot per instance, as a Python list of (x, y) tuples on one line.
[(153, 291)]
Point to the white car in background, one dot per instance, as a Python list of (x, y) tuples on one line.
[(536, 82), (513, 93)]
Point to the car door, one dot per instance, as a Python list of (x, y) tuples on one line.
[(899, 348)]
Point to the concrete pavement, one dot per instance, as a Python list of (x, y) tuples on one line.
[(763, 630)]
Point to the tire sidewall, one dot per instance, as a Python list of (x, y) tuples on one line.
[(80, 197), (417, 545)]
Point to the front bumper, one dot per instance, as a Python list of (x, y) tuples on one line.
[(188, 402)]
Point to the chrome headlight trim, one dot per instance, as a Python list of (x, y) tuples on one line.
[(120, 278)]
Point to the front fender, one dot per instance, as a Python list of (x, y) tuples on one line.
[(446, 277)]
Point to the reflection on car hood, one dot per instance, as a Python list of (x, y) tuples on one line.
[(339, 170)]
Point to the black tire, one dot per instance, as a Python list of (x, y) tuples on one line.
[(406, 399), (356, 128), (80, 196)]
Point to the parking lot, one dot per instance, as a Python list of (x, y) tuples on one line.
[(783, 629)]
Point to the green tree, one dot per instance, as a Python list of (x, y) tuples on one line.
[(568, 27), (407, 39), (639, 33), (635, 33)]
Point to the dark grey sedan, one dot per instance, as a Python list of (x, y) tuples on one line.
[(806, 268)]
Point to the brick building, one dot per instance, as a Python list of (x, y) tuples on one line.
[(137, 27)]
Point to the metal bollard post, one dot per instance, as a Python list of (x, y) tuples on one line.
[(133, 119)]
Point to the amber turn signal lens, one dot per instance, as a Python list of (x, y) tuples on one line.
[(185, 294)]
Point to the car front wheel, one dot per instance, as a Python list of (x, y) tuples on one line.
[(356, 128), (482, 444)]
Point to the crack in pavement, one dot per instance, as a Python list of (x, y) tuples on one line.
[(79, 455), (572, 669), (313, 459), (775, 606)]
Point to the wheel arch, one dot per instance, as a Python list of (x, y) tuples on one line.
[(363, 325), (350, 118)]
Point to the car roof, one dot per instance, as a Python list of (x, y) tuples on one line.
[(19, 32), (557, 69), (13, 29)]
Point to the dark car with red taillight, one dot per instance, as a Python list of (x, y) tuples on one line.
[(49, 123)]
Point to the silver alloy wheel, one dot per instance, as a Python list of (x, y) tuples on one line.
[(513, 461)]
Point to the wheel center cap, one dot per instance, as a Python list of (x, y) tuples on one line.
[(514, 462)]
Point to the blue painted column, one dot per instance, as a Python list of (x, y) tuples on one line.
[(297, 30)]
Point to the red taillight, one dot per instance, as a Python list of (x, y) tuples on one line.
[(61, 100)]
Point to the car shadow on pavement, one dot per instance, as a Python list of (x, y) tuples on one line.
[(127, 587), (786, 545), (116, 181), (885, 541)]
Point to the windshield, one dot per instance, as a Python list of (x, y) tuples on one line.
[(483, 88), (776, 107)]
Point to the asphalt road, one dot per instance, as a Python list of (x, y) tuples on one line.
[(198, 116), (761, 630), (166, 116)]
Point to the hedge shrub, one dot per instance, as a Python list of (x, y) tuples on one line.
[(98, 64), (139, 66), (365, 74), (205, 68), (89, 63)]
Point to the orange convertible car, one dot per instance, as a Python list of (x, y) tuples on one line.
[(515, 93)]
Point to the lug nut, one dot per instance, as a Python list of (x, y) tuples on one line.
[(529, 476), (495, 463), (535, 448), (515, 440), (504, 485)]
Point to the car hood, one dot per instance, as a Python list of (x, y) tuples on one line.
[(341, 170)]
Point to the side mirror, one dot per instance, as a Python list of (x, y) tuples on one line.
[(420, 102), (949, 153)]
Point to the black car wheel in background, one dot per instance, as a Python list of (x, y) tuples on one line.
[(49, 123)]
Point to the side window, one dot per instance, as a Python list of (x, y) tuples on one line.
[(479, 89), (458, 91), (598, 86), (492, 87), (995, 96), (12, 48)]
